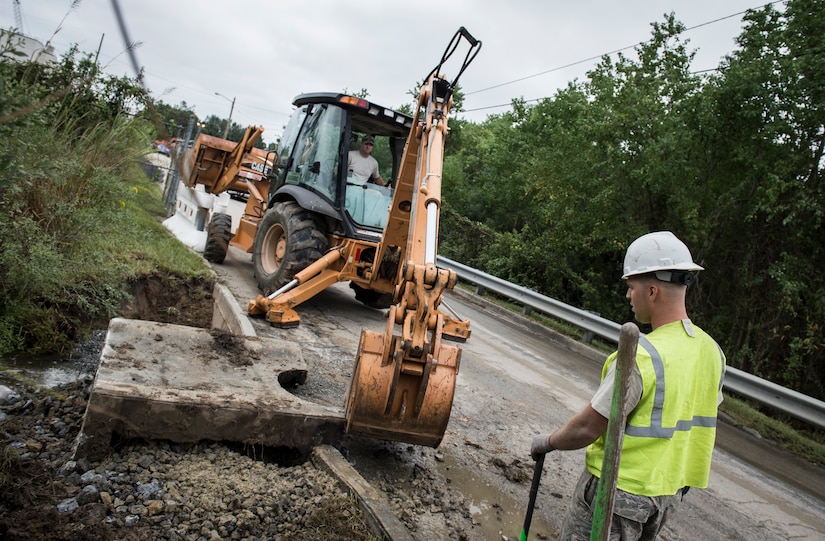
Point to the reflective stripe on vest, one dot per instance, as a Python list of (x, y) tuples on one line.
[(656, 430)]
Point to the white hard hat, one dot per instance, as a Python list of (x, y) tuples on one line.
[(659, 252)]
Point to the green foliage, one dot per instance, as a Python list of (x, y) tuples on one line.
[(169, 120), (64, 199), (765, 131), (732, 163), (463, 239), (70, 236), (214, 125)]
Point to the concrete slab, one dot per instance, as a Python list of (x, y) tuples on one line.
[(184, 384)]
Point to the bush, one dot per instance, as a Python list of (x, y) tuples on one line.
[(70, 150)]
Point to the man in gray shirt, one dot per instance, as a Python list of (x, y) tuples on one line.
[(362, 166)]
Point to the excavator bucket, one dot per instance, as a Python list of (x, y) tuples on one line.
[(393, 399)]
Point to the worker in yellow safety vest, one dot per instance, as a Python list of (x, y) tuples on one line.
[(674, 391)]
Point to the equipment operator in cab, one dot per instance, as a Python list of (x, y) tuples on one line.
[(674, 392), (362, 166)]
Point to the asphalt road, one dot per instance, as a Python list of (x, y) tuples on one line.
[(517, 380)]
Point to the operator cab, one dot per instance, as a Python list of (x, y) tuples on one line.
[(313, 156)]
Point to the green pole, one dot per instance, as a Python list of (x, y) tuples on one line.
[(606, 490)]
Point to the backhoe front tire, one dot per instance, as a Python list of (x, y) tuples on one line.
[(218, 235), (288, 240)]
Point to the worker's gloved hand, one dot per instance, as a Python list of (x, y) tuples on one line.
[(541, 446)]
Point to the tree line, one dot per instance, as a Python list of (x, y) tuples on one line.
[(173, 121), (549, 195)]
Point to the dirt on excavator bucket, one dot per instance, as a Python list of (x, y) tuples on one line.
[(400, 400)]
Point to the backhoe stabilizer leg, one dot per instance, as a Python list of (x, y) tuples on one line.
[(279, 306), (456, 330), (279, 314)]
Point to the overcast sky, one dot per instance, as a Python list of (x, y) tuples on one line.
[(264, 53)]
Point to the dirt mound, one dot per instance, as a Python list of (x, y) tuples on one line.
[(167, 298)]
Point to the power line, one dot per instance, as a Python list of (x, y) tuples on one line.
[(552, 70), (592, 58)]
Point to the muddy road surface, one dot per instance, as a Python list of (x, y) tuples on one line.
[(516, 380)]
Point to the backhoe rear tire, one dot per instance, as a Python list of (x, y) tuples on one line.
[(218, 235), (288, 240)]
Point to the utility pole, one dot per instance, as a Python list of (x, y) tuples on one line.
[(18, 17), (231, 110)]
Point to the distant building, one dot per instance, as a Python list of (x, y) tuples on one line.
[(29, 49)]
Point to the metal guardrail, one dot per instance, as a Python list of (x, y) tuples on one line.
[(788, 401)]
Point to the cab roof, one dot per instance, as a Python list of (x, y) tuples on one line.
[(367, 117)]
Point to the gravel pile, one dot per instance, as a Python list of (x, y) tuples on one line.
[(201, 492), (161, 490), (153, 490)]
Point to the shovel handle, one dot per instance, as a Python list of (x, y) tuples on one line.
[(606, 489), (534, 490)]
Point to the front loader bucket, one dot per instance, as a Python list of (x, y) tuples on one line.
[(384, 402)]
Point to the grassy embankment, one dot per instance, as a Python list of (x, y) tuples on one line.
[(78, 218), (81, 223)]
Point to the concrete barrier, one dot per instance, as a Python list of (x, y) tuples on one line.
[(227, 315)]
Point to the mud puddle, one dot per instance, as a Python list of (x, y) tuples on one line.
[(494, 512), (39, 371), (51, 371)]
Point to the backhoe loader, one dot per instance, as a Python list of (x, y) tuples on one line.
[(219, 166), (319, 225)]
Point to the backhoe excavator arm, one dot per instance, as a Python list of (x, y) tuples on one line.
[(402, 386)]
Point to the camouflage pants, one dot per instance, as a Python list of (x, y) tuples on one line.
[(635, 518)]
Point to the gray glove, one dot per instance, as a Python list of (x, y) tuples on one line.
[(541, 446)]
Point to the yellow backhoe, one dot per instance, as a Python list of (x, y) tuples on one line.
[(319, 225)]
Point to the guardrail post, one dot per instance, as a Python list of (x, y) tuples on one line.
[(588, 335)]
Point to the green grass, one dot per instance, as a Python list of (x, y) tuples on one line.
[(787, 433), (81, 223), (146, 246)]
